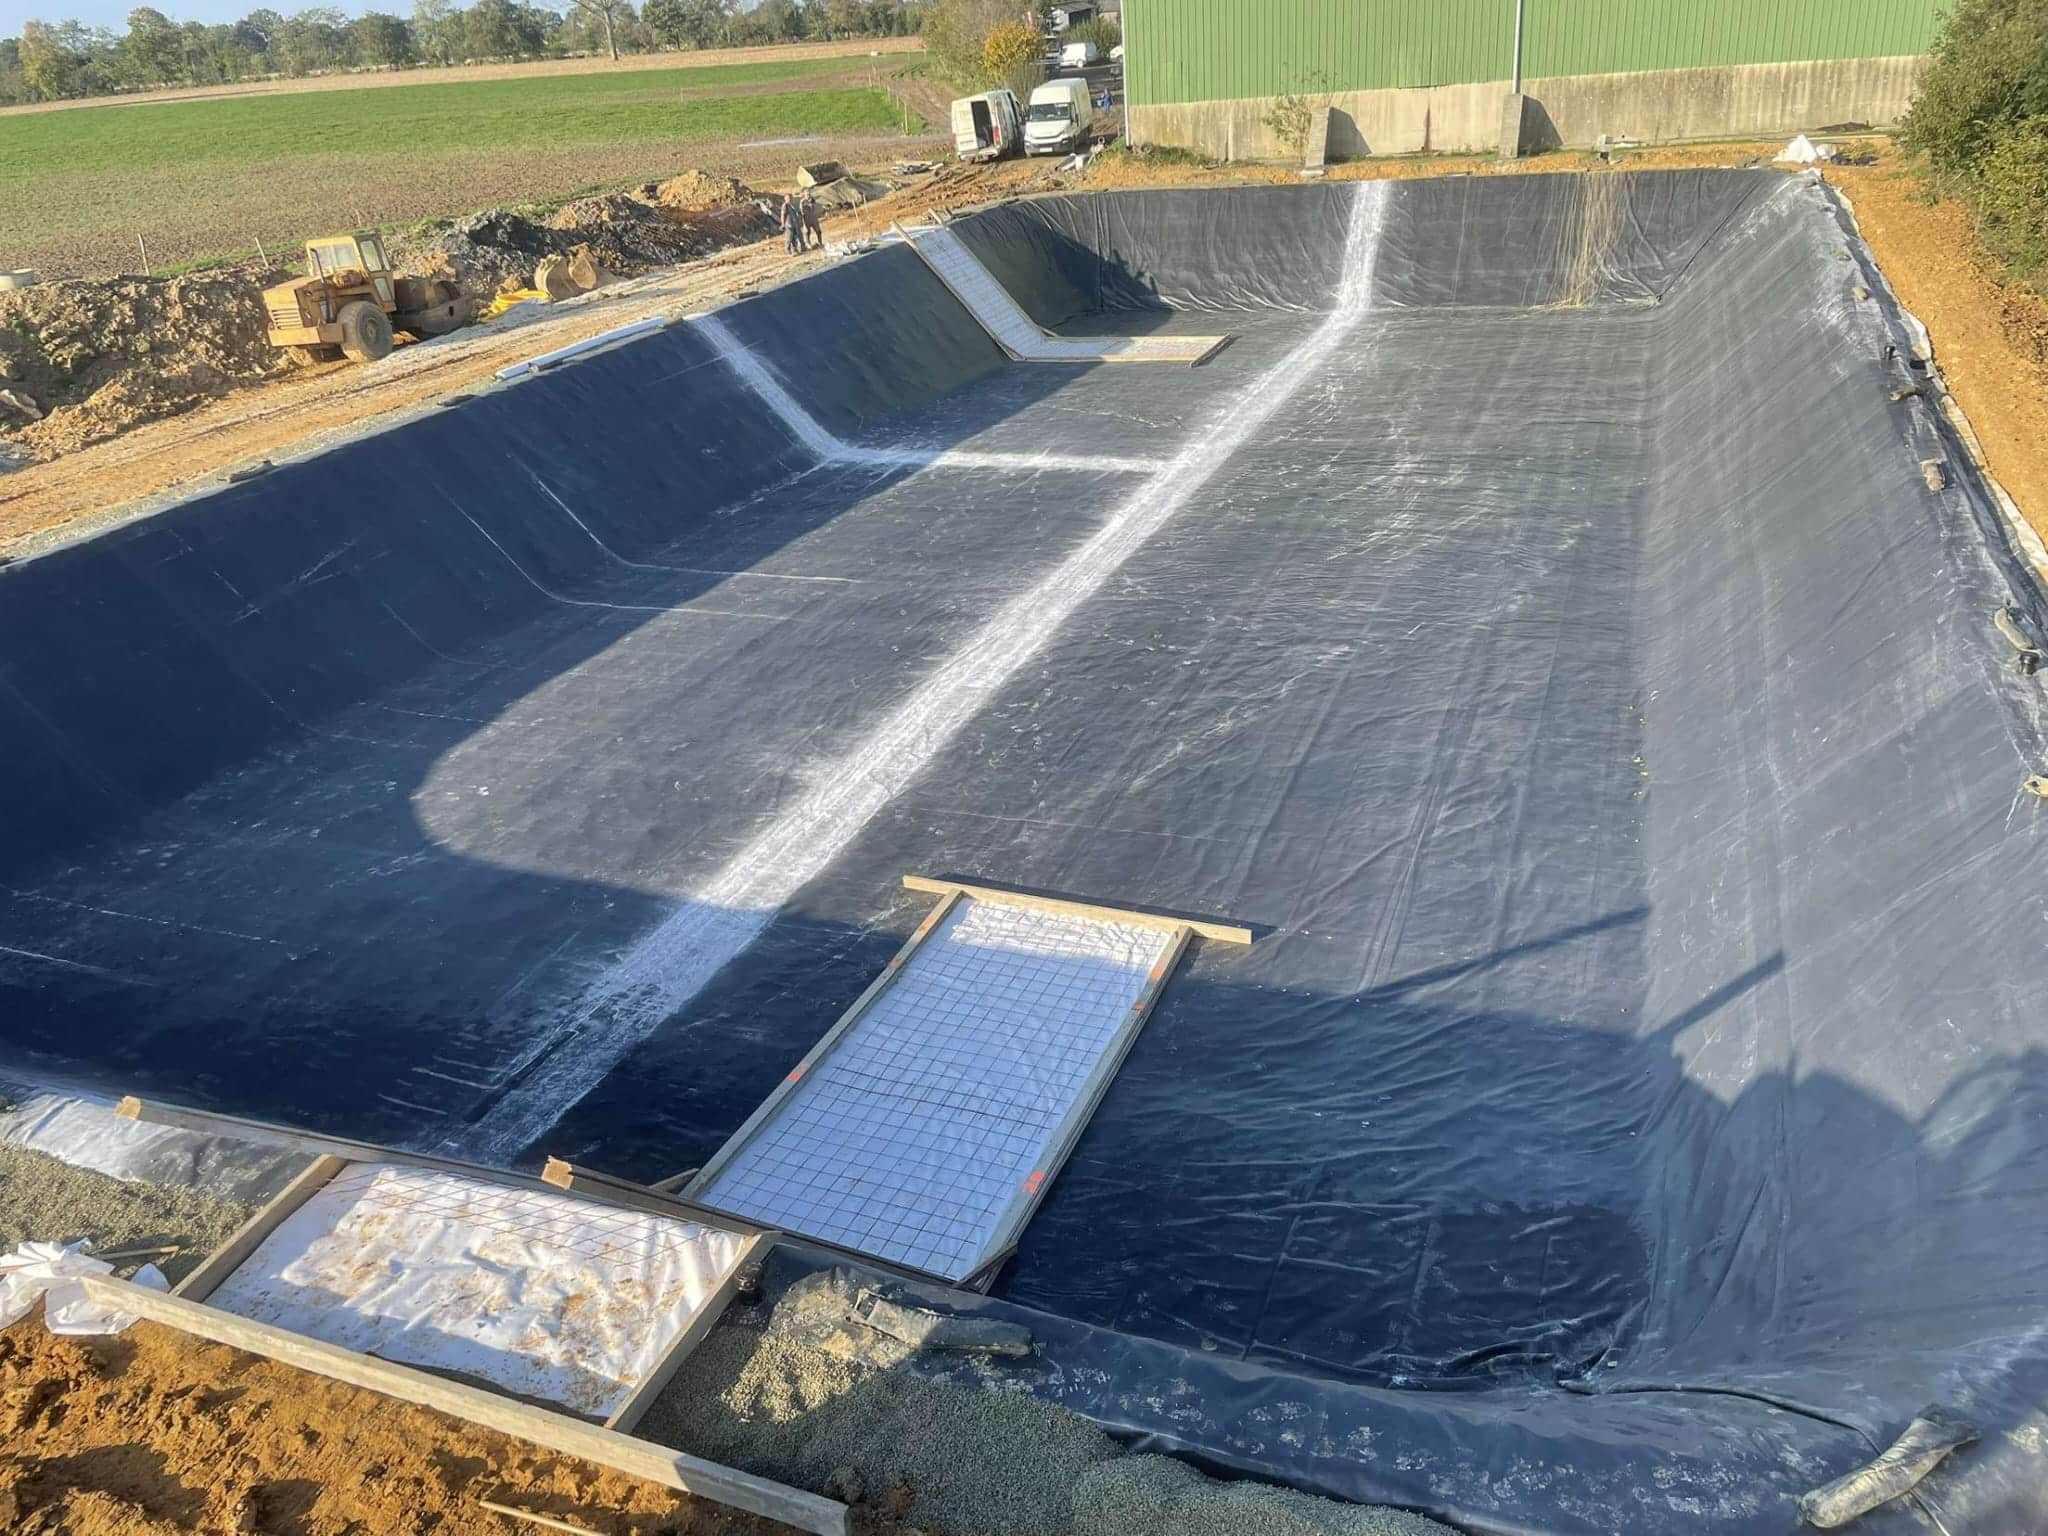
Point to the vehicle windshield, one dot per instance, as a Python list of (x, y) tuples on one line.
[(1052, 112), (335, 256)]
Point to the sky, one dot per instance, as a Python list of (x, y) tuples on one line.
[(114, 13)]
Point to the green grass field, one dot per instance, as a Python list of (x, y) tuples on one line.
[(208, 177)]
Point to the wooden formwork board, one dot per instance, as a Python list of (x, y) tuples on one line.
[(1208, 928), (247, 1238), (543, 1427), (327, 1165), (699, 1327), (314, 1145), (658, 1201)]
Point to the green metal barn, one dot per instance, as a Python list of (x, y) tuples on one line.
[(1401, 78)]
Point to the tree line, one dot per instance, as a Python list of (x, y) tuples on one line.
[(52, 61)]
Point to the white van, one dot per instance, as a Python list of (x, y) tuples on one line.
[(988, 126), (1079, 56), (1061, 114)]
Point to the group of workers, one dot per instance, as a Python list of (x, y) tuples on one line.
[(800, 224)]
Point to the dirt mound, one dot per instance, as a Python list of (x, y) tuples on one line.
[(698, 189), (95, 356), (479, 250), (627, 232), (632, 231), (154, 1433)]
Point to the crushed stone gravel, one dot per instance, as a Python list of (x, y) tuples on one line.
[(810, 1396), (1158, 1496), (44, 1199)]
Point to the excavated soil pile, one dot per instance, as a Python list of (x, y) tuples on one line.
[(631, 231), (656, 224), (153, 1433), (699, 189), (478, 250), (84, 359)]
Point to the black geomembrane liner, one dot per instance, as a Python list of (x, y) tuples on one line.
[(1634, 1109)]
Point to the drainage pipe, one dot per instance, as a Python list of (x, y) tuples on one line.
[(1518, 47), (577, 348)]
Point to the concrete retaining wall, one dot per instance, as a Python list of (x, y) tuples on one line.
[(1569, 110)]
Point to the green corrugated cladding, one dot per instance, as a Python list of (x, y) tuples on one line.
[(1212, 50), (1606, 37)]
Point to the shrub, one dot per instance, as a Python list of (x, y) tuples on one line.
[(1008, 53), (954, 32), (2009, 191), (1293, 112), (1104, 33), (1989, 71)]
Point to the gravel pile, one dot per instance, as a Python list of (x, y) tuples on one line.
[(1158, 1496), (974, 1463), (818, 1400), (46, 1200)]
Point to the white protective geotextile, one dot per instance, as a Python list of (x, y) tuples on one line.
[(546, 1296), (1019, 335), (910, 1140), (86, 1133), (49, 1273)]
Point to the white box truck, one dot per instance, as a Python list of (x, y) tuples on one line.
[(1060, 116), (987, 127)]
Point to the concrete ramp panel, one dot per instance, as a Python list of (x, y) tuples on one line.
[(1019, 335)]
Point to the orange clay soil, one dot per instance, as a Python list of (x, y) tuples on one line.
[(1990, 338), (155, 1433)]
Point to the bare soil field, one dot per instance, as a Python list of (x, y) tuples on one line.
[(1990, 338), (371, 79), (171, 185), (186, 212)]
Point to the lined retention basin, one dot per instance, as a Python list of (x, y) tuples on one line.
[(1535, 624)]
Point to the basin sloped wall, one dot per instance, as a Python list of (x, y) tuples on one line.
[(1845, 893), (137, 664)]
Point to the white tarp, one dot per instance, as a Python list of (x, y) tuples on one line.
[(86, 1133), (546, 1296), (49, 1272), (1803, 151)]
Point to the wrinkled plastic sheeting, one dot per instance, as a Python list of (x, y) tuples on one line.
[(1525, 241), (1655, 1010), (546, 1296), (49, 1273), (1586, 697), (86, 1133)]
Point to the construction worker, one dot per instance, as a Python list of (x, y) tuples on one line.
[(792, 225), (813, 229)]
